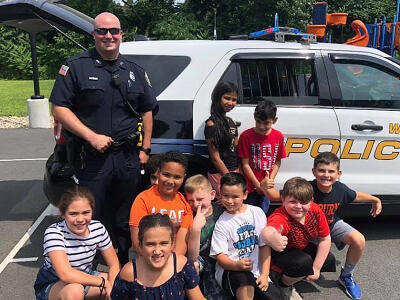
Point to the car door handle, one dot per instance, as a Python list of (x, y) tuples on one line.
[(366, 127)]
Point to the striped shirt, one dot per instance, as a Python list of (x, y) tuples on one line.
[(80, 250)]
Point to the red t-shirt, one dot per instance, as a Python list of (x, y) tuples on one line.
[(300, 235), (151, 202), (262, 151)]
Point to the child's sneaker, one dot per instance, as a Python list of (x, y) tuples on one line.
[(353, 290), (289, 293)]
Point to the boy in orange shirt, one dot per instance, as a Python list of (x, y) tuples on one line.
[(165, 198)]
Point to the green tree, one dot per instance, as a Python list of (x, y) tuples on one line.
[(142, 16), (180, 27), (14, 46)]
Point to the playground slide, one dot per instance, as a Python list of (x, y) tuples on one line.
[(361, 38)]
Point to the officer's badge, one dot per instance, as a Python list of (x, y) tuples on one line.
[(63, 70), (132, 76), (147, 78)]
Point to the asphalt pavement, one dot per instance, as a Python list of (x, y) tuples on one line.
[(24, 215)]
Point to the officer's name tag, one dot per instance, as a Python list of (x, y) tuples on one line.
[(93, 78)]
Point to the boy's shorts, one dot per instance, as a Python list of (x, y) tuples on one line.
[(339, 230), (43, 294), (256, 199), (232, 280)]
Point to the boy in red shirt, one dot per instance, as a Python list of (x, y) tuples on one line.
[(297, 223), (261, 149)]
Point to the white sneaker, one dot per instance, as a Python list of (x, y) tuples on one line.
[(290, 293)]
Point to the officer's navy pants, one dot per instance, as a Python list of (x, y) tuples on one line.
[(114, 179)]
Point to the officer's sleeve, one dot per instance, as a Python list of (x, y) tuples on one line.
[(64, 88), (148, 99)]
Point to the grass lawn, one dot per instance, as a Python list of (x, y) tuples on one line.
[(14, 93)]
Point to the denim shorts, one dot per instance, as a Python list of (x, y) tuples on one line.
[(43, 293)]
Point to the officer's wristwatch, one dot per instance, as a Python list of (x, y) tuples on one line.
[(146, 150)]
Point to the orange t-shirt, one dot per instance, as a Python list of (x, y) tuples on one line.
[(151, 202)]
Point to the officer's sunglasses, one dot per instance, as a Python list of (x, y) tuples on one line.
[(103, 31)]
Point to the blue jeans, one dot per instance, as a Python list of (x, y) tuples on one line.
[(47, 278), (258, 200)]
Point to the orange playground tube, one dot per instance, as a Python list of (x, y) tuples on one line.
[(361, 38)]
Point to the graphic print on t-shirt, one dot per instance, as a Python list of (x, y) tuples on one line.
[(329, 210), (247, 240), (174, 215), (262, 156)]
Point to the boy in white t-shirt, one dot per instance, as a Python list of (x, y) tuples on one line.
[(243, 261)]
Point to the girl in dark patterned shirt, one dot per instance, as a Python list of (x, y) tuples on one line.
[(158, 272)]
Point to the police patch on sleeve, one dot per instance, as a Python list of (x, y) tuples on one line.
[(63, 70), (132, 76), (147, 78)]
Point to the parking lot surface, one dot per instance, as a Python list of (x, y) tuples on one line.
[(24, 215)]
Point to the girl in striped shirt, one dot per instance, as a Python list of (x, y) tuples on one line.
[(69, 249)]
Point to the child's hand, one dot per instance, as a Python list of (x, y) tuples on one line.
[(315, 276), (277, 241), (200, 219), (267, 183), (107, 289), (376, 208), (197, 267), (262, 282), (245, 264)]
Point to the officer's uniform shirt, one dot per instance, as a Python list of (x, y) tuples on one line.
[(84, 85)]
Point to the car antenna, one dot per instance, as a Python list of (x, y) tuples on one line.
[(60, 31)]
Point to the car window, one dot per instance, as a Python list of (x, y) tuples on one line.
[(286, 81), (364, 84), (161, 69)]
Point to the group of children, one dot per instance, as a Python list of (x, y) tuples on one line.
[(214, 241)]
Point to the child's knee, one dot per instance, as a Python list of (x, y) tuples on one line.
[(73, 291), (356, 239), (245, 292), (301, 266)]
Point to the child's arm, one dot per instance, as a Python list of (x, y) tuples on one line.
[(245, 264), (376, 202), (265, 260), (324, 245), (274, 238), (194, 236), (267, 186), (250, 174), (275, 169), (112, 262), (181, 241), (135, 238), (68, 274), (215, 158), (194, 294)]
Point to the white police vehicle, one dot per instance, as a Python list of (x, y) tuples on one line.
[(330, 97)]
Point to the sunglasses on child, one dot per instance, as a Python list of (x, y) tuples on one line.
[(103, 31)]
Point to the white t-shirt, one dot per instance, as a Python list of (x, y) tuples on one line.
[(80, 250), (237, 236)]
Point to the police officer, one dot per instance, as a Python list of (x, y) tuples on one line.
[(95, 97)]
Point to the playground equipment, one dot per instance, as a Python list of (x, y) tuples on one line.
[(361, 38), (383, 36), (321, 19)]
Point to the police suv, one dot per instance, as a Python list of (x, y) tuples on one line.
[(330, 97)]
